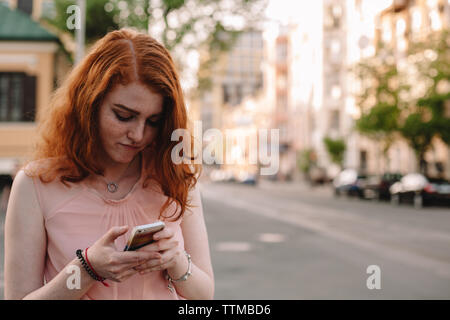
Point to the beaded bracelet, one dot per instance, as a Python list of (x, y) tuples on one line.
[(87, 266)]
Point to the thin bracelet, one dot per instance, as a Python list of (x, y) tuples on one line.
[(101, 279), (184, 277), (88, 269)]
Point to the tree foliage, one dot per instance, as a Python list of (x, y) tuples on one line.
[(183, 26), (428, 109), (407, 97), (378, 98), (98, 20), (336, 149), (307, 159)]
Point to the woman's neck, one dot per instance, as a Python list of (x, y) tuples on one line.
[(120, 171)]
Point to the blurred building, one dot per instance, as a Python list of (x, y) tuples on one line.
[(241, 130), (243, 75), (311, 84), (27, 77), (236, 77), (282, 113), (309, 81)]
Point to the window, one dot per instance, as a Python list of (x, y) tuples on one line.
[(363, 160), (400, 27), (25, 6), (334, 121), (333, 16), (17, 97), (335, 46), (283, 131), (386, 33), (282, 81), (435, 19), (239, 94), (416, 19), (281, 52), (226, 93), (336, 92), (282, 102)]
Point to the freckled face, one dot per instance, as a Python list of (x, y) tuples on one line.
[(130, 115)]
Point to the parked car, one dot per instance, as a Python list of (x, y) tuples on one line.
[(220, 175), (317, 175), (246, 177), (377, 186), (415, 188), (349, 182)]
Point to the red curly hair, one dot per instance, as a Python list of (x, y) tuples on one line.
[(68, 134)]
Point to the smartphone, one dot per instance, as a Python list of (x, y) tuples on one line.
[(143, 235)]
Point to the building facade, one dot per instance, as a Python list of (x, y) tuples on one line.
[(27, 77), (235, 77), (324, 41)]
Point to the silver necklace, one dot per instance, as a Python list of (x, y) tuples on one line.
[(114, 186)]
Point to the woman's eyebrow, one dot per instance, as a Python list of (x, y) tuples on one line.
[(134, 111)]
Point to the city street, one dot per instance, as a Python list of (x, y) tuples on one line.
[(294, 243), (280, 241), (263, 95)]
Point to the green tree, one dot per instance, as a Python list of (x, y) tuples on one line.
[(181, 25), (378, 99), (428, 109), (306, 160), (98, 20), (407, 97), (336, 149)]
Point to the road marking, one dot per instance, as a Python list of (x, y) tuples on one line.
[(312, 220), (271, 237)]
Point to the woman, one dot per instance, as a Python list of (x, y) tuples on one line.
[(103, 165)]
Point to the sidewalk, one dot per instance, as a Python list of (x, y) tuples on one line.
[(294, 186)]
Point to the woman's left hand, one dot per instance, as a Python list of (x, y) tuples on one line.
[(168, 247)]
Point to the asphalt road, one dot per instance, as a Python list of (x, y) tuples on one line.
[(291, 242), (295, 243)]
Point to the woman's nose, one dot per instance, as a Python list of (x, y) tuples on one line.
[(136, 133)]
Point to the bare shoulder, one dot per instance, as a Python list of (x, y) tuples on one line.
[(23, 182), (23, 199), (24, 255)]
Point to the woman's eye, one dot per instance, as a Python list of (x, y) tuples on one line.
[(153, 123), (122, 118), (150, 123)]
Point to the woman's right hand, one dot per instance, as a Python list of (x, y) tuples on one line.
[(116, 265)]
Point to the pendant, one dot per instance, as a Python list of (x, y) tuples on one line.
[(112, 187)]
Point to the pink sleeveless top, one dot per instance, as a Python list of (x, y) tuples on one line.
[(76, 217)]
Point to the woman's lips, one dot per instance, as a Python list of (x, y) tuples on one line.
[(130, 147)]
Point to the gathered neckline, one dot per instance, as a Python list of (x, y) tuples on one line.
[(127, 196)]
